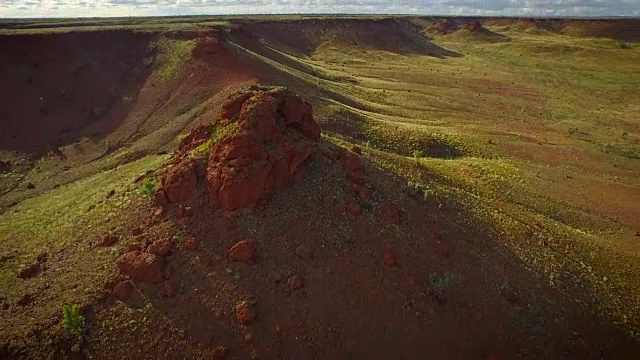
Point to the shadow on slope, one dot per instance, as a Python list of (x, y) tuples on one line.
[(303, 37), (60, 87)]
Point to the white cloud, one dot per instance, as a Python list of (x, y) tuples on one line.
[(84, 8)]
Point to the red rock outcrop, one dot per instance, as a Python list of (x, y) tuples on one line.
[(180, 181), (258, 143), (141, 266)]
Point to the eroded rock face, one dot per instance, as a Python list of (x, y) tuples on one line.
[(180, 181), (260, 140)]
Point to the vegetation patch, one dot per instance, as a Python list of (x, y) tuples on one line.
[(170, 55), (221, 131)]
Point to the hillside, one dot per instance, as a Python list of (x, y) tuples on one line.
[(471, 195)]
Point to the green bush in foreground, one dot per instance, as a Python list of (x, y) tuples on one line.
[(73, 321)]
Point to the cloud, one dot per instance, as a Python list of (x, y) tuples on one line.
[(96, 8)]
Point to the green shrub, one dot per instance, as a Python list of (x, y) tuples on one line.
[(417, 154), (440, 281), (73, 321), (148, 187)]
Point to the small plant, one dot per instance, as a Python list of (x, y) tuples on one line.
[(417, 154), (440, 281), (427, 193), (148, 187), (115, 251), (73, 321)]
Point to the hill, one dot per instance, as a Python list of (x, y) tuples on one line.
[(319, 187)]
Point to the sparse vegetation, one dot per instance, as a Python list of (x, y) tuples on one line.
[(440, 281), (417, 154), (220, 132), (73, 321), (148, 187), (170, 55)]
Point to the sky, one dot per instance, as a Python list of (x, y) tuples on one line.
[(118, 8)]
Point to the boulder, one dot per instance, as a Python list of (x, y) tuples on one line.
[(258, 144), (141, 266), (179, 181)]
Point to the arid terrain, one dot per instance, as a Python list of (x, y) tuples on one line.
[(312, 187)]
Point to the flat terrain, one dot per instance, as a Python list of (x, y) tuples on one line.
[(511, 148)]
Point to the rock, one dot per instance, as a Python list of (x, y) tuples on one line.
[(207, 46), (220, 353), (390, 211), (162, 247), (167, 289), (27, 272), (191, 244), (141, 266), (108, 240), (161, 199), (295, 282), (474, 26), (304, 252), (352, 207), (355, 170), (123, 290), (444, 250), (180, 181), (355, 150), (242, 170), (389, 258), (243, 251), (159, 212), (30, 186), (180, 210), (510, 295), (245, 312), (363, 192)]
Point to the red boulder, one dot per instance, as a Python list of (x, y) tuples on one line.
[(352, 207), (389, 258), (243, 251), (390, 211), (141, 266), (180, 181), (245, 313), (355, 170), (162, 247), (123, 290)]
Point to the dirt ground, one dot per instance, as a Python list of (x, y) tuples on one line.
[(498, 217)]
